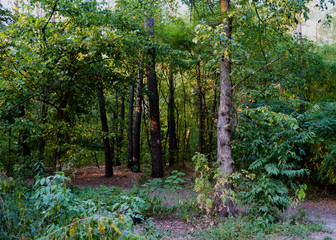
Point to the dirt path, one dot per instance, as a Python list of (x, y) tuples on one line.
[(323, 211)]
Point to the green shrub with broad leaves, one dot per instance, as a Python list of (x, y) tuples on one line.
[(269, 144), (17, 215), (321, 153), (49, 209)]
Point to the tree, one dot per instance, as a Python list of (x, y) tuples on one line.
[(224, 124), (171, 121), (137, 122), (154, 108), (106, 140), (130, 128)]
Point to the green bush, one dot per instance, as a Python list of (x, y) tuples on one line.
[(49, 209), (270, 145)]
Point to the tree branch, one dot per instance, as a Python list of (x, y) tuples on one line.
[(52, 13), (263, 67)]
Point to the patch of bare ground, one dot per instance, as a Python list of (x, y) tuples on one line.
[(95, 177), (323, 211), (173, 227)]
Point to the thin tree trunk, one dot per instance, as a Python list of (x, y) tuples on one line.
[(130, 128), (106, 140), (96, 159), (137, 121), (9, 148), (42, 142), (224, 126), (146, 130), (185, 140), (301, 89), (60, 136), (114, 138), (23, 145), (120, 131), (212, 122), (200, 108), (171, 121), (154, 111)]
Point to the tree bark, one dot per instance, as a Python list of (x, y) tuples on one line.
[(113, 140), (224, 125), (154, 111), (171, 121), (106, 140), (137, 122), (42, 142), (200, 108), (23, 145), (130, 128), (120, 132), (212, 122), (9, 148)]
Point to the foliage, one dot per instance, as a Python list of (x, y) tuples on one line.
[(270, 144), (204, 183), (49, 209), (174, 182), (320, 119), (17, 216), (242, 228), (54, 62)]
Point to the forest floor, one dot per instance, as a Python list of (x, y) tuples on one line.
[(318, 207)]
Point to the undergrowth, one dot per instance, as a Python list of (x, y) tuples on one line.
[(244, 228), (50, 209)]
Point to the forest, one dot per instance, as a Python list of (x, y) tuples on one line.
[(173, 119)]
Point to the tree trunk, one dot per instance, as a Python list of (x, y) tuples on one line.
[(42, 142), (301, 88), (224, 126), (200, 108), (154, 111), (137, 122), (171, 121), (106, 140), (9, 148), (60, 136), (113, 140), (23, 145), (212, 122), (130, 128), (120, 131)]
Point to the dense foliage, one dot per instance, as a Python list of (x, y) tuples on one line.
[(71, 69)]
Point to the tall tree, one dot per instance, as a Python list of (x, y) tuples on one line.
[(137, 122), (154, 111), (120, 131), (23, 137), (130, 127), (106, 140), (200, 107), (224, 125), (171, 120)]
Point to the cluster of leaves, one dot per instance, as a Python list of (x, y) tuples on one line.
[(204, 183), (49, 209), (321, 120), (269, 144)]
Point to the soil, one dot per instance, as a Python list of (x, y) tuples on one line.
[(320, 209), (323, 211), (94, 177)]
